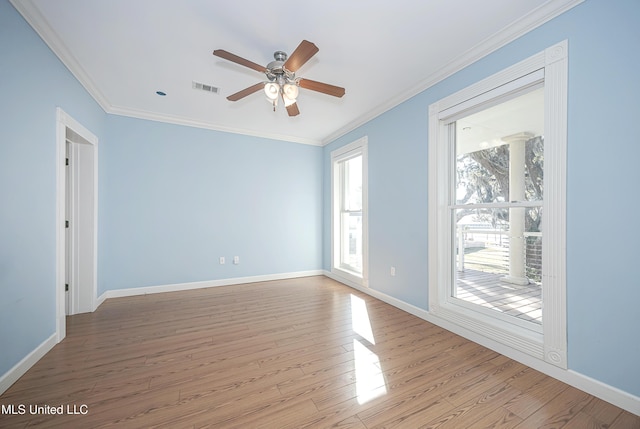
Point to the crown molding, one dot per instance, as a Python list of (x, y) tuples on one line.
[(534, 19), (180, 120), (34, 18), (539, 16)]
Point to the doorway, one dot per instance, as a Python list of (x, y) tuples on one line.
[(76, 256)]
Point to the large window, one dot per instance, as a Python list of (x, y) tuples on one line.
[(349, 211), (497, 207), (497, 161)]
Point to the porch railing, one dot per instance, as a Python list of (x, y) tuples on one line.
[(492, 251)]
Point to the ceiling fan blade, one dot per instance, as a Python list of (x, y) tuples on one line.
[(239, 60), (325, 88), (301, 55), (293, 110), (247, 91)]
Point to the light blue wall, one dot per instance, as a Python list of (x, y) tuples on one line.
[(397, 153), (33, 82), (603, 179), (174, 199)]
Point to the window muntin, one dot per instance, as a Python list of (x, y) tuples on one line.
[(550, 342), (349, 212), (496, 208), (350, 188)]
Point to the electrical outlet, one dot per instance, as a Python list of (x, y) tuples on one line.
[(236, 260), (393, 271), (222, 261)]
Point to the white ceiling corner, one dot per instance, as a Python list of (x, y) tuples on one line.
[(123, 51)]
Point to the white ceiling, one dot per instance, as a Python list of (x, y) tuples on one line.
[(491, 127), (382, 52)]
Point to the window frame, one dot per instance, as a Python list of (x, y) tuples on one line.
[(344, 153), (550, 344)]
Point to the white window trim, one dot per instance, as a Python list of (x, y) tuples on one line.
[(355, 148), (551, 344)]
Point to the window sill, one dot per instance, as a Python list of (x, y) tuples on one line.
[(349, 276)]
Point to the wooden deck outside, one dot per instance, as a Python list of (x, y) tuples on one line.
[(488, 290)]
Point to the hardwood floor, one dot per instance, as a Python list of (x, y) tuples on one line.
[(300, 353)]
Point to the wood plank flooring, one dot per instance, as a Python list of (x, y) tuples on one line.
[(299, 353)]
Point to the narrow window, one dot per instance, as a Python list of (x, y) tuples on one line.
[(349, 206)]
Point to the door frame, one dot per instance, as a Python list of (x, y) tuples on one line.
[(64, 122)]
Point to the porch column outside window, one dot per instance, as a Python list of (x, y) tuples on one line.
[(517, 273)]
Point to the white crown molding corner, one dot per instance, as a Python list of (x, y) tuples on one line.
[(534, 19), (539, 16), (34, 18)]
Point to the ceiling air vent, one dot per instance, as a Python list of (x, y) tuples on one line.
[(205, 87)]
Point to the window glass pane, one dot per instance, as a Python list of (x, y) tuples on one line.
[(497, 267), (353, 184), (498, 251), (499, 152), (351, 241), (351, 255)]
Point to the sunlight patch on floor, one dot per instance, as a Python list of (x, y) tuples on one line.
[(360, 319), (370, 382)]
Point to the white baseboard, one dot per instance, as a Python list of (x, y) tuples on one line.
[(18, 370), (11, 376), (118, 293), (601, 390), (580, 381)]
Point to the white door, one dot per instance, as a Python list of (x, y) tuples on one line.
[(81, 226), (67, 232)]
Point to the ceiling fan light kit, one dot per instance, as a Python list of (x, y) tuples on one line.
[(271, 90), (282, 81)]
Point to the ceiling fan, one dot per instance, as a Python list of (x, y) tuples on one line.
[(281, 74)]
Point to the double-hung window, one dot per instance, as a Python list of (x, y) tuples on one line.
[(497, 162), (349, 212)]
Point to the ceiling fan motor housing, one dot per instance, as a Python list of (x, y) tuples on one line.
[(276, 70), (280, 56)]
